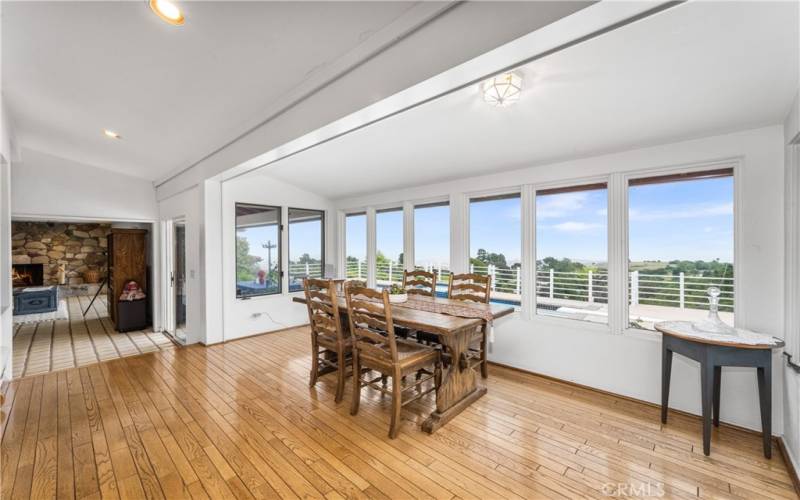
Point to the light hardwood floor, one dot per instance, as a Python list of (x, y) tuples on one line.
[(65, 343), (238, 420)]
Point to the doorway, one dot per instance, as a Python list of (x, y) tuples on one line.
[(176, 286)]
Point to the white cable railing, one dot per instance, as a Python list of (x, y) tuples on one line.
[(299, 271), (589, 286), (679, 290)]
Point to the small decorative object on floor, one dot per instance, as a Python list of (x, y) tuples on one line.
[(712, 324), (91, 276), (132, 291), (397, 294)]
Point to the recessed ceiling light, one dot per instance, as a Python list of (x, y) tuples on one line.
[(502, 90), (167, 11), (112, 134)]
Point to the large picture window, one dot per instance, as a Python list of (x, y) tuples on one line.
[(389, 255), (432, 239), (572, 252), (356, 245), (258, 250), (306, 246), (495, 242), (680, 244)]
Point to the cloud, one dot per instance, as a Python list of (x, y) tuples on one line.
[(694, 211), (554, 206), (577, 227)]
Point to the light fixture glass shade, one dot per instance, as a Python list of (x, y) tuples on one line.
[(167, 11), (502, 90)]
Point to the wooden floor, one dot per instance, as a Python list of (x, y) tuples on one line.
[(238, 420), (80, 340)]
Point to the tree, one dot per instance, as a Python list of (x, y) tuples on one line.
[(246, 264)]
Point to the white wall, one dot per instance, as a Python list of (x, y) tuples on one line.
[(791, 411), (8, 156), (48, 187), (6, 321), (629, 363), (272, 312)]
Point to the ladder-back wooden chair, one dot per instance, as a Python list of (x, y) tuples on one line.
[(473, 288), (420, 282), (327, 336), (375, 347)]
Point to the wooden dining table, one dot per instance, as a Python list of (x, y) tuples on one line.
[(459, 387)]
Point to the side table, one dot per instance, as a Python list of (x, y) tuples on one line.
[(713, 351)]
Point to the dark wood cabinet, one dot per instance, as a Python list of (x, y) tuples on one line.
[(127, 261)]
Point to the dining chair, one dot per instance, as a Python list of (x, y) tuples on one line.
[(419, 282), (475, 288), (327, 336), (375, 347)]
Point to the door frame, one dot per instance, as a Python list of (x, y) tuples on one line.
[(167, 282)]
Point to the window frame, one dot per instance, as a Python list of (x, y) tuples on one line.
[(343, 235), (493, 195), (289, 243), (431, 204), (386, 209), (616, 180), (571, 185), (280, 269), (622, 220)]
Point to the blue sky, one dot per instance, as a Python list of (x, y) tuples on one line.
[(496, 227), (690, 220), (573, 226), (257, 236), (305, 237), (356, 236)]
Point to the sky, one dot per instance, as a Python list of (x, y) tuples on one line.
[(690, 220), (304, 237), (496, 226)]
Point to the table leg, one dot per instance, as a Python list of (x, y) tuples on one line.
[(459, 386), (666, 373), (765, 400), (707, 386), (717, 387)]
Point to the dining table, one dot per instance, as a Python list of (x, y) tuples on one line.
[(460, 385)]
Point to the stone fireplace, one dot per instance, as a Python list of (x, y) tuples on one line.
[(60, 250)]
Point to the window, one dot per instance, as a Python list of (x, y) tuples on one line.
[(356, 245), (306, 246), (495, 244), (258, 250), (432, 239), (572, 252), (389, 255), (680, 235)]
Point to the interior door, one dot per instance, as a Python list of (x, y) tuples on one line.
[(178, 280)]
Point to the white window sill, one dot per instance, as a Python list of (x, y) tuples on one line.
[(543, 320)]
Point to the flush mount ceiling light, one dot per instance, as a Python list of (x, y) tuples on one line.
[(502, 90), (111, 134), (167, 11)]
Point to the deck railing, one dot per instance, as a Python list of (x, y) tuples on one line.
[(679, 290)]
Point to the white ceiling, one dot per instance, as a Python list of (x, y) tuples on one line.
[(72, 69), (696, 69), (177, 94)]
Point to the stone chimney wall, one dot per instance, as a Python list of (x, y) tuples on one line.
[(77, 247)]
